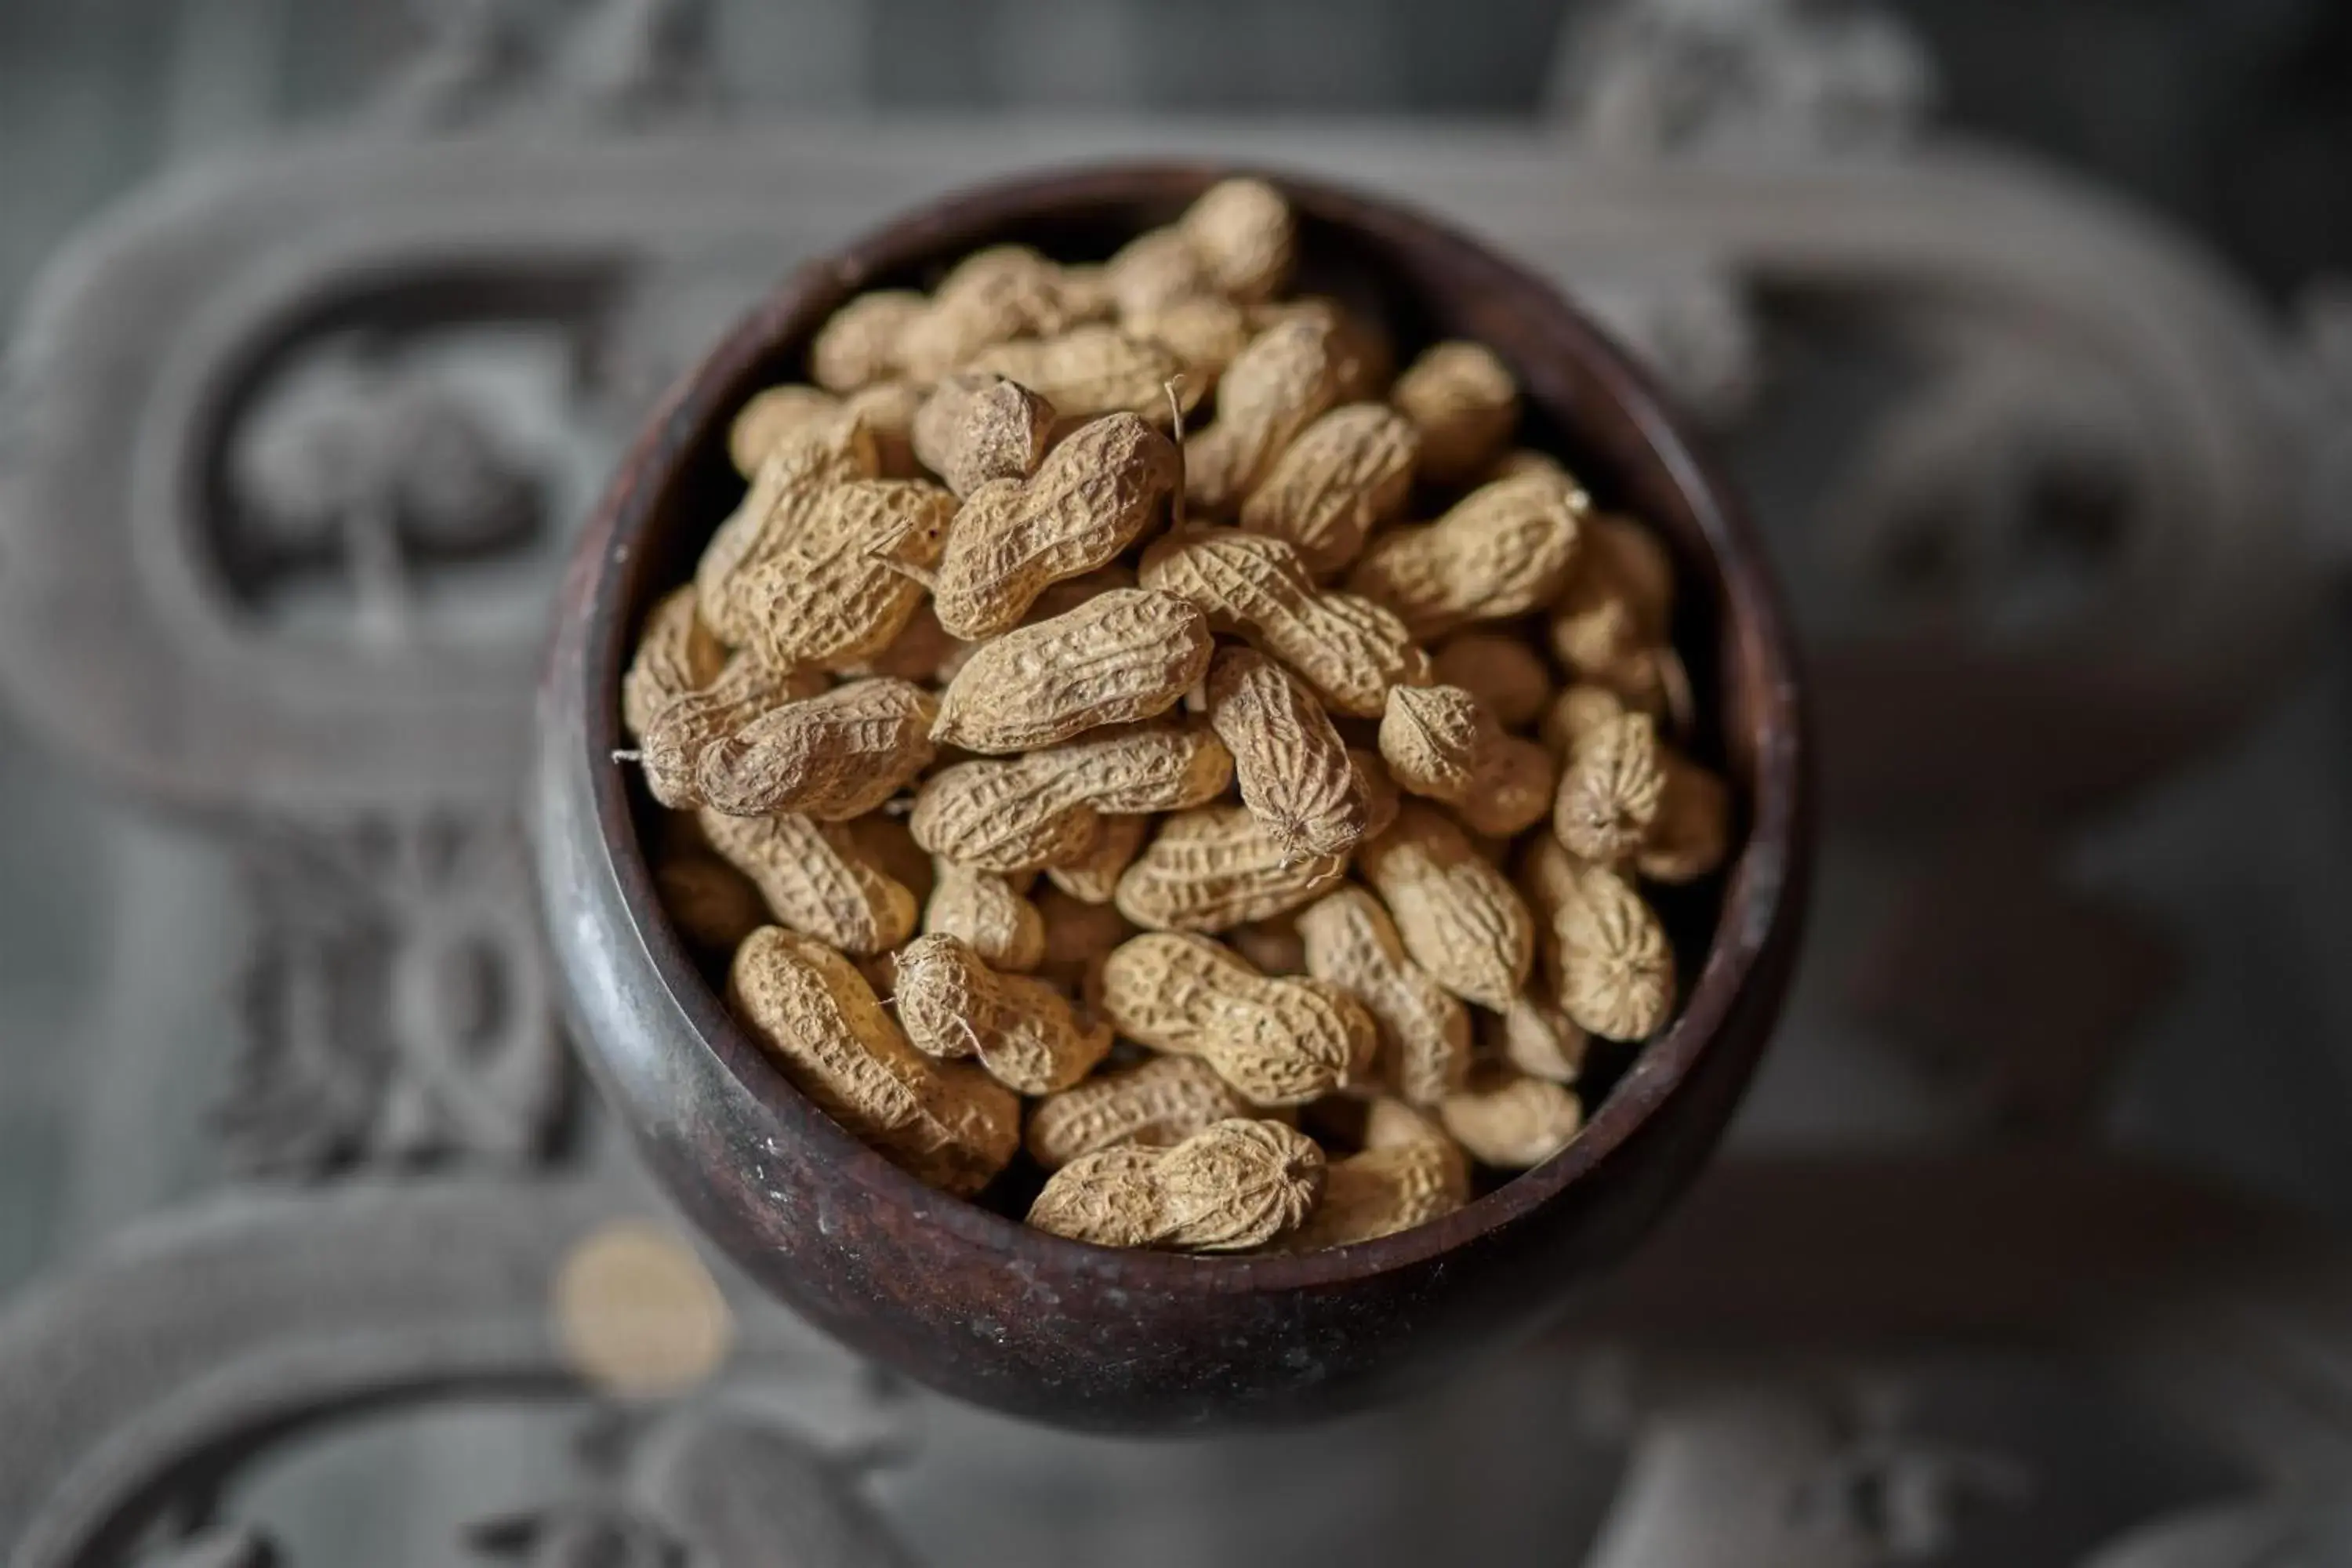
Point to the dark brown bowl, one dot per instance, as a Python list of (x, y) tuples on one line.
[(970, 1301)]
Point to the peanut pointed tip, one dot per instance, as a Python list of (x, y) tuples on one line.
[(1176, 427), (625, 755)]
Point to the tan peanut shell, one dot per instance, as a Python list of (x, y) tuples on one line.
[(1464, 402), (677, 833), (1294, 770), (1625, 792), (1094, 875), (1425, 1036), (1387, 1187), (1382, 1190), (817, 879), (1440, 741), (1616, 966), (673, 744), (859, 343), (1346, 473), (851, 619), (1381, 795), (887, 409), (1065, 595), (1212, 869), (1205, 332), (1363, 357), (1277, 1041), (1042, 809), (837, 592), (1610, 788), (939, 420), (1059, 598), (1286, 377), (1237, 240), (1273, 945), (832, 756), (994, 295), (1158, 268), (1645, 676), (812, 1011), (1610, 621), (1512, 1121), (1243, 228), (1086, 292), (1023, 1032), (1634, 565), (1002, 433), (1140, 768), (1576, 710), (1599, 640), (792, 479), (1093, 370), (878, 970), (713, 905), (998, 816), (1078, 937), (1122, 655), (1233, 1186), (1461, 920), (1692, 831), (1433, 738), (922, 651), (1539, 1040), (1162, 1101), (1521, 461), (1500, 551), (782, 413), (1546, 875), (1348, 648), (772, 414), (1505, 674), (1391, 1123), (1087, 501), (675, 655), (883, 841), (988, 912)]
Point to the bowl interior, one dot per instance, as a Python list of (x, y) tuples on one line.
[(1584, 404)]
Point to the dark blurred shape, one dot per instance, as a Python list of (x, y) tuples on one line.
[(578, 1535)]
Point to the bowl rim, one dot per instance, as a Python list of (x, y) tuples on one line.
[(1762, 887)]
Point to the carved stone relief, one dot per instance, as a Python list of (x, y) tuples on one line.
[(1747, 76), (397, 1002)]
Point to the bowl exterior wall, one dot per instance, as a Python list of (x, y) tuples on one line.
[(1076, 1336)]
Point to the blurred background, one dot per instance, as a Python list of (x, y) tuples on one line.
[(2027, 325), (2230, 119)]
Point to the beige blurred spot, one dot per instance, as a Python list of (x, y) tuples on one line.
[(637, 1315)]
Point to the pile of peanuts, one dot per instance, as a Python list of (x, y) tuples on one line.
[(1167, 817)]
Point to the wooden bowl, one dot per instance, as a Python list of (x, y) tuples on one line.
[(976, 1304)]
